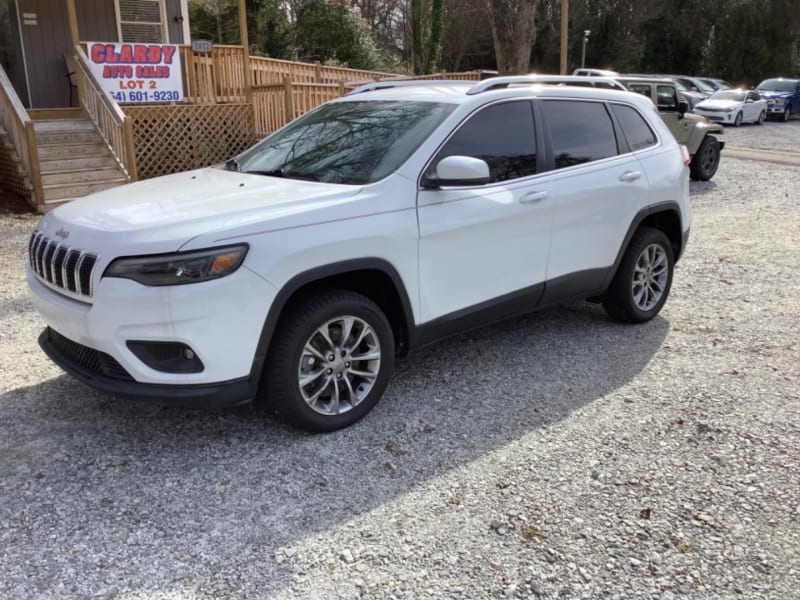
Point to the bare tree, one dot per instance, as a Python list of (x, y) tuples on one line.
[(513, 25)]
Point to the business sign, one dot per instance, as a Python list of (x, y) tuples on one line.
[(138, 72)]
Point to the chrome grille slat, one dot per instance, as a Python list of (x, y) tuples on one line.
[(61, 266)]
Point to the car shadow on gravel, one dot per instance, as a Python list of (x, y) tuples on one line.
[(168, 497)]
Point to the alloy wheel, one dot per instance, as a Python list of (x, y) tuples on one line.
[(650, 276), (339, 365)]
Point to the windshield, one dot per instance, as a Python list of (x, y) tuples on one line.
[(680, 86), (346, 142), (728, 95), (777, 85), (703, 85)]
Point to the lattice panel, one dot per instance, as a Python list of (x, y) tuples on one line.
[(11, 174), (170, 139)]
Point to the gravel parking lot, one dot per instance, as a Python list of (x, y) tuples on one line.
[(559, 455)]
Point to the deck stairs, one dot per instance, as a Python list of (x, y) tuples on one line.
[(74, 160)]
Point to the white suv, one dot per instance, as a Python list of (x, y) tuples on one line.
[(376, 223)]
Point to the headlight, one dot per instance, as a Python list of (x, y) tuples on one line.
[(179, 268)]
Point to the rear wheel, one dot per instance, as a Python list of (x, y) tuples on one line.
[(330, 361), (706, 160), (643, 279)]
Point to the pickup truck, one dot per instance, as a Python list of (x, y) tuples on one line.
[(782, 96)]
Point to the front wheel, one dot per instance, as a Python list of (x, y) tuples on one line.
[(761, 117), (738, 121), (706, 160), (330, 361), (643, 279), (786, 114)]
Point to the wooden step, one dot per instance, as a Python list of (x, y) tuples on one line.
[(62, 192), (73, 151), (60, 165), (50, 138), (81, 176), (51, 125)]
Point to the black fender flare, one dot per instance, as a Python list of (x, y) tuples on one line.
[(669, 206), (316, 274)]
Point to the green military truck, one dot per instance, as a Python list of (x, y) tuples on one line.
[(693, 131)]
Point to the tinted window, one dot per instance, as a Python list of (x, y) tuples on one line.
[(667, 97), (502, 135), (580, 131), (637, 131)]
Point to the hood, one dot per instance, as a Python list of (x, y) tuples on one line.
[(772, 95), (169, 211)]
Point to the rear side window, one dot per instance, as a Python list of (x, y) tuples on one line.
[(580, 132), (640, 88), (636, 130), (667, 98), (502, 135)]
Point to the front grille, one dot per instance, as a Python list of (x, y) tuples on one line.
[(87, 358), (61, 266)]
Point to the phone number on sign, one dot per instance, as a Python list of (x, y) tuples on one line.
[(137, 96)]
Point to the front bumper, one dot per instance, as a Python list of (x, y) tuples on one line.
[(776, 109), (102, 372), (219, 320), (718, 117)]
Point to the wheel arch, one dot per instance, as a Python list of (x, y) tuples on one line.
[(375, 278), (665, 216)]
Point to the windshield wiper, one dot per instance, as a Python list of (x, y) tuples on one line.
[(284, 173)]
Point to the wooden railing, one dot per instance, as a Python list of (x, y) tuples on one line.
[(276, 104), (214, 78), (218, 77), (112, 124), (271, 71), (19, 127)]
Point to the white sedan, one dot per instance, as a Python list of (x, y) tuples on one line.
[(733, 107)]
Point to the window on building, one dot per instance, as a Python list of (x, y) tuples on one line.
[(141, 21)]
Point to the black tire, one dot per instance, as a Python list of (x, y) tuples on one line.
[(281, 388), (762, 117), (786, 114), (706, 160), (737, 122), (621, 301)]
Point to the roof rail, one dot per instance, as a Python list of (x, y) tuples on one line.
[(393, 83), (495, 83)]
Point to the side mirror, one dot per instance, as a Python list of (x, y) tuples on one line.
[(460, 170), (683, 108)]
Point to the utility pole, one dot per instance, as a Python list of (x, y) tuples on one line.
[(564, 37)]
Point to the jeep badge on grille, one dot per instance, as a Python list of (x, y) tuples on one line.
[(63, 233)]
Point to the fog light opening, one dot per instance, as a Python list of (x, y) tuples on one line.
[(166, 357)]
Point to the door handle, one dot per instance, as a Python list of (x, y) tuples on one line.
[(532, 197), (630, 176)]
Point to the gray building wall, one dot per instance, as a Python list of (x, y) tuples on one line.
[(46, 39)]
